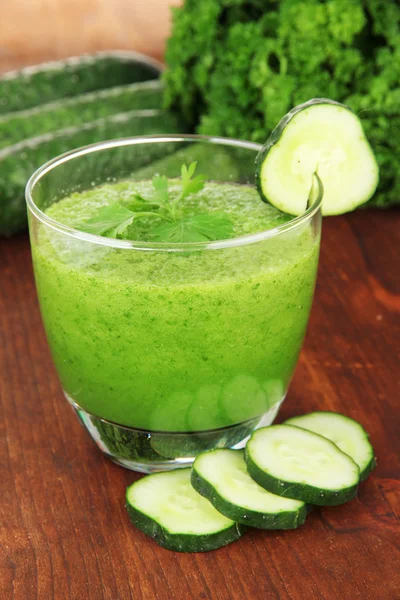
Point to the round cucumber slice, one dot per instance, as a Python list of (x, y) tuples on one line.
[(324, 137), (243, 398), (295, 463), (166, 507), (221, 476), (346, 433)]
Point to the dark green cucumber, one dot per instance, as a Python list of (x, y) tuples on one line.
[(346, 433), (324, 137), (46, 118), (295, 463), (52, 81), (18, 162), (221, 476), (166, 507)]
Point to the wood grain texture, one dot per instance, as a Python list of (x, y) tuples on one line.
[(34, 31), (64, 533)]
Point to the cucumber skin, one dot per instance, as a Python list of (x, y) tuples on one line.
[(52, 81), (85, 108), (183, 542), (277, 134), (366, 472), (372, 462), (18, 162), (299, 491), (251, 518)]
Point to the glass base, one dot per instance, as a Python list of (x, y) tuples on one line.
[(151, 451)]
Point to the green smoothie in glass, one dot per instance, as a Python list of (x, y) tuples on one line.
[(185, 345)]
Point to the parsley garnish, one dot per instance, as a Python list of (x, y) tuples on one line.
[(114, 219), (110, 220), (198, 228)]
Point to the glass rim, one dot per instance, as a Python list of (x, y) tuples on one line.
[(242, 240)]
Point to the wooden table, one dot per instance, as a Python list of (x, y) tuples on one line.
[(34, 31), (64, 532)]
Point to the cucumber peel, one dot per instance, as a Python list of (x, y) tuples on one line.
[(346, 433), (166, 507), (295, 463), (78, 110), (324, 137), (50, 81), (221, 476)]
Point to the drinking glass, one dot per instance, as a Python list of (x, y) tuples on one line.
[(165, 350)]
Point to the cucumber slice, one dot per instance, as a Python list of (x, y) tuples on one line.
[(166, 507), (346, 433), (320, 136), (221, 476), (243, 398), (299, 464)]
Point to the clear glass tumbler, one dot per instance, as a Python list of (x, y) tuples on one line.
[(166, 350)]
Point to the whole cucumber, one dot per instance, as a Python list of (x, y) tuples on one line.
[(56, 80), (18, 162), (32, 122)]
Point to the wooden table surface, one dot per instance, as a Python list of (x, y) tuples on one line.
[(64, 532), (34, 31)]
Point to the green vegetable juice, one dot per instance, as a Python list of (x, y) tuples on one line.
[(175, 340)]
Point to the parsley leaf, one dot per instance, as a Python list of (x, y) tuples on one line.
[(113, 220), (160, 185), (197, 228), (137, 202), (190, 184), (110, 221)]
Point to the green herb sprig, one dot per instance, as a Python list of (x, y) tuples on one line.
[(114, 219)]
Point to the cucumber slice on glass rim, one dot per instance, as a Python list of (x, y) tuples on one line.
[(295, 463), (166, 507), (346, 433), (324, 137)]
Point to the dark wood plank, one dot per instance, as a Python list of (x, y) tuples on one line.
[(64, 532)]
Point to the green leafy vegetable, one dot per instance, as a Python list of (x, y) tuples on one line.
[(160, 185), (110, 220), (114, 219), (137, 202), (190, 184), (235, 67), (198, 228)]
